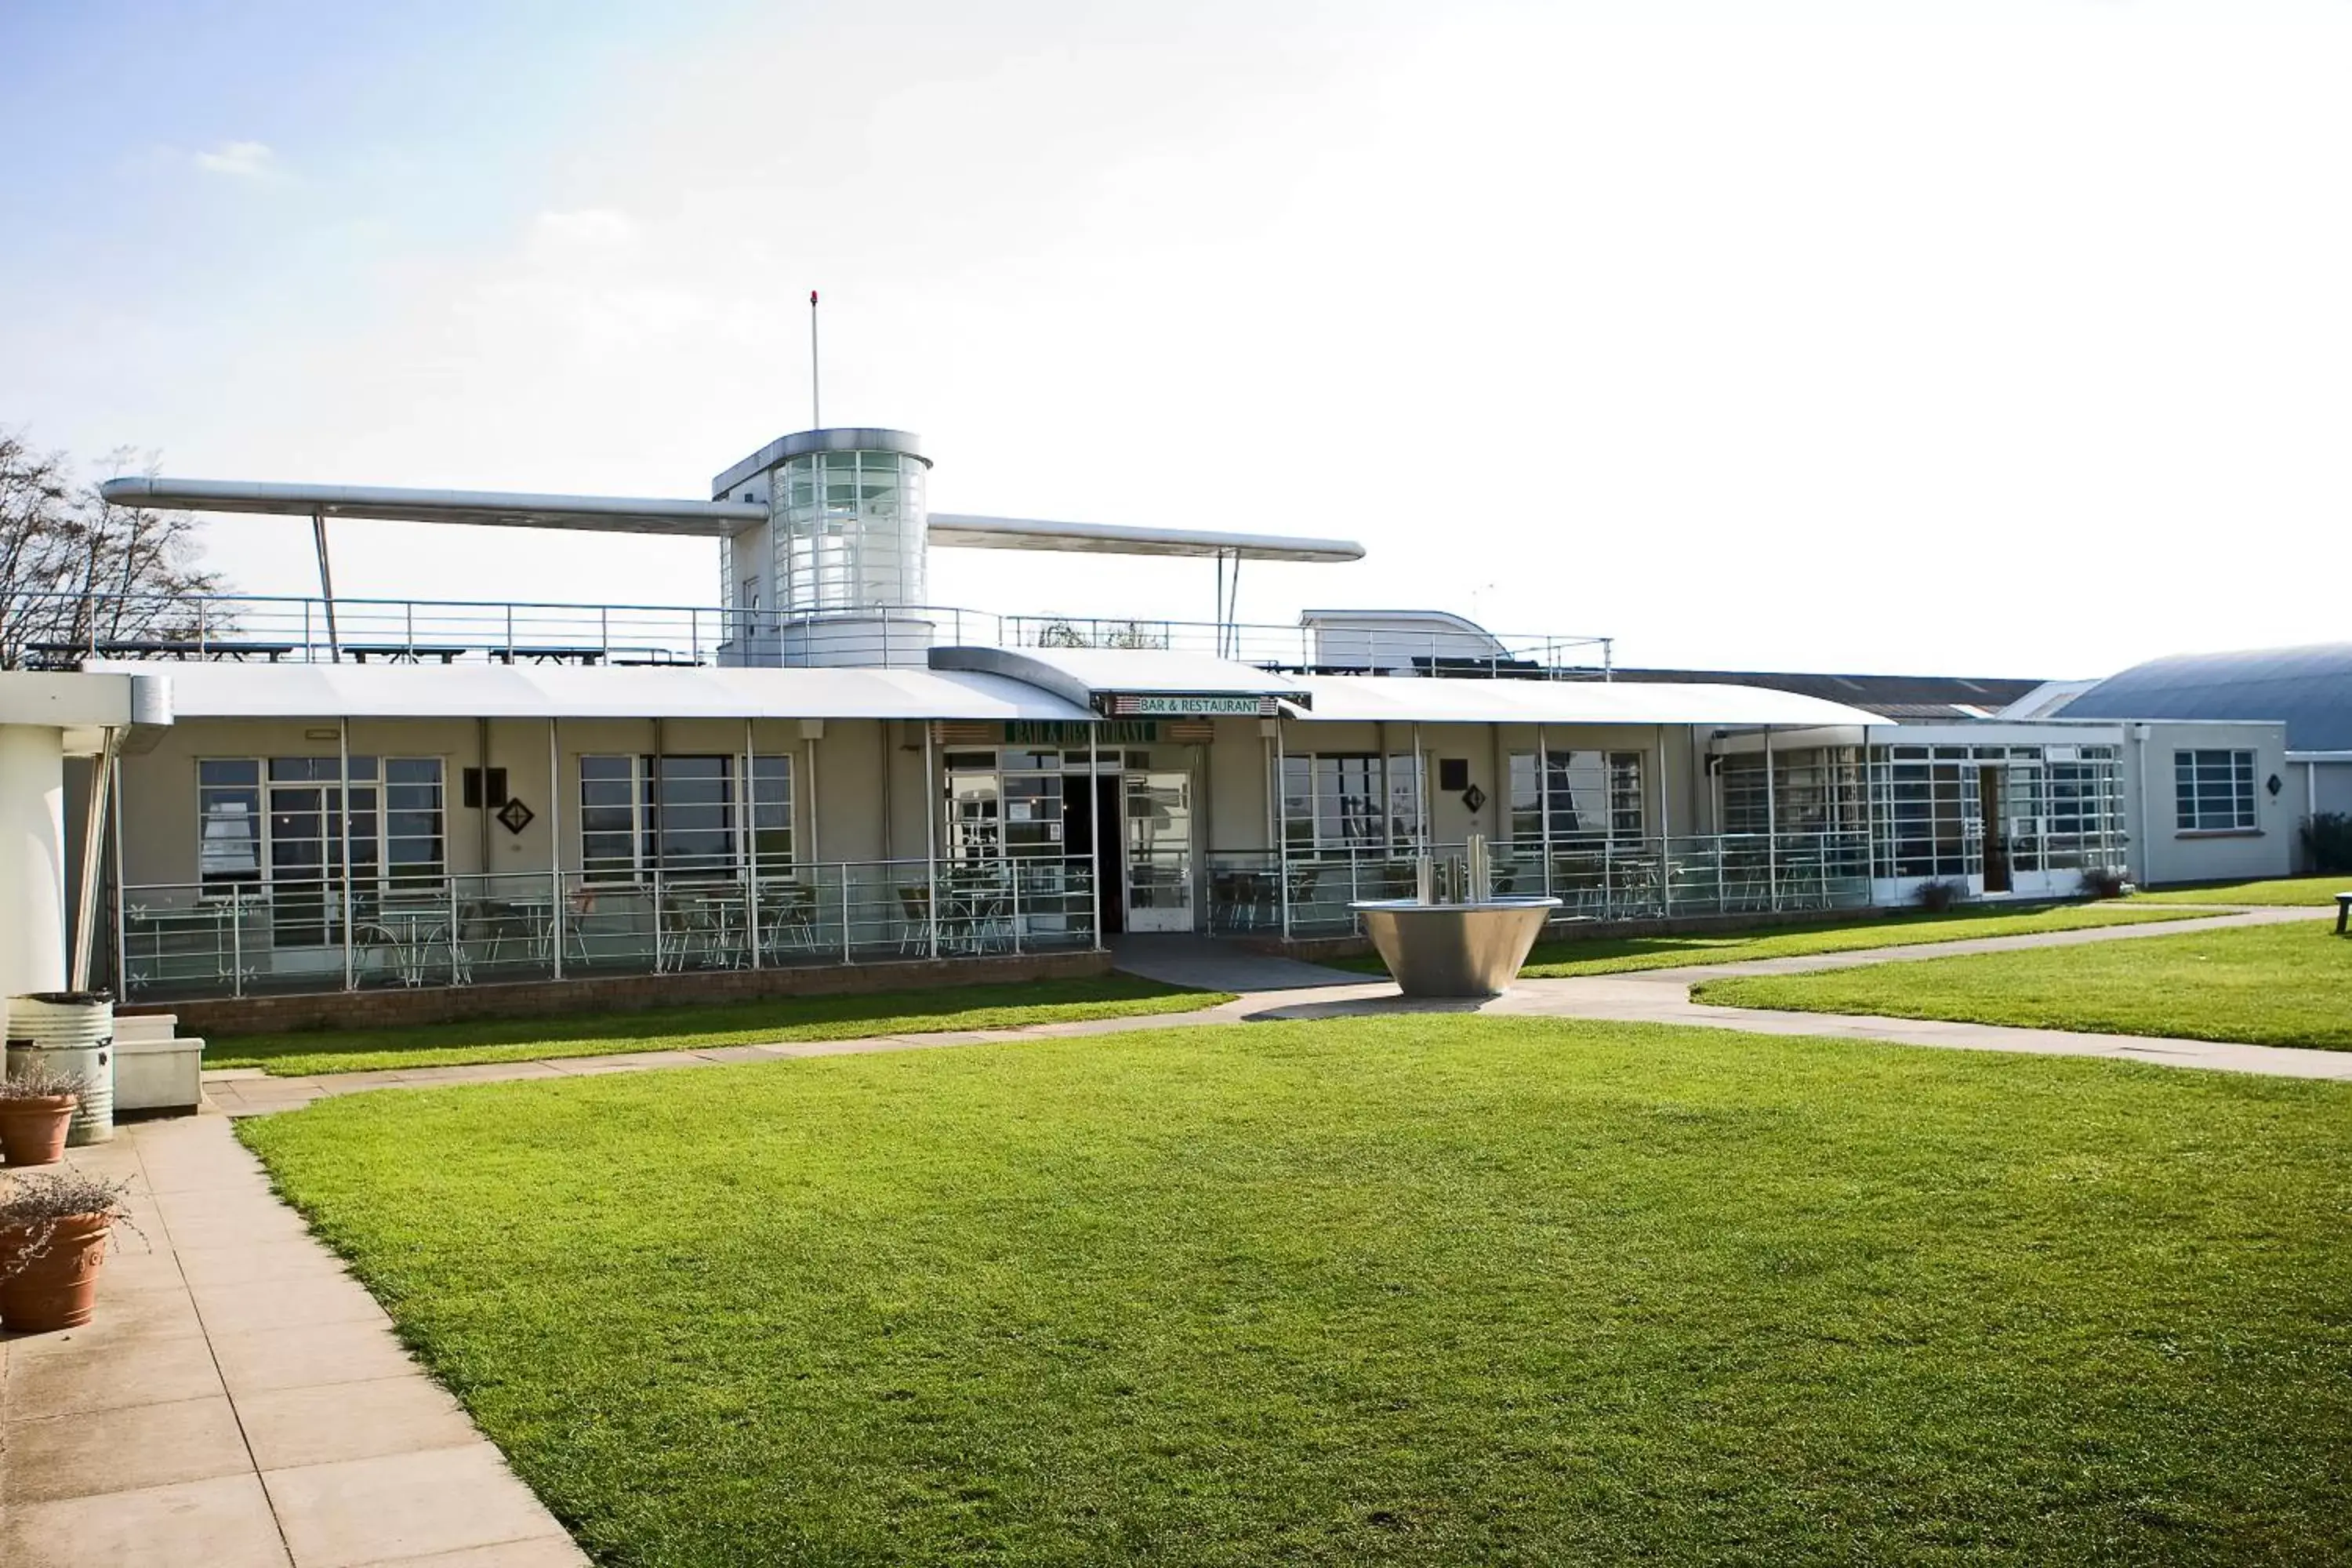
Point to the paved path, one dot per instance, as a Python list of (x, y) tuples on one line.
[(240, 1402), (1207, 965), (1280, 988)]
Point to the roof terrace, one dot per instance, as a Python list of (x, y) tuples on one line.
[(61, 631)]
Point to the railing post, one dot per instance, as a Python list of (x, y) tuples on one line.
[(604, 630), (509, 638), (236, 943), (844, 913), (1282, 823), (457, 934), (1012, 865), (1094, 846), (1607, 878), (1771, 831), (555, 844), (930, 832)]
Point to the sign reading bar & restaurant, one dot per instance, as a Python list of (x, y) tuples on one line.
[(1166, 706)]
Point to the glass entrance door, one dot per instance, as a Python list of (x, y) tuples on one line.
[(1159, 852)]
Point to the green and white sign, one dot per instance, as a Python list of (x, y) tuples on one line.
[(1059, 733)]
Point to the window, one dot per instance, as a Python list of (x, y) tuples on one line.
[(228, 807), (279, 823), (681, 817), (1335, 800), (1584, 794), (2213, 791)]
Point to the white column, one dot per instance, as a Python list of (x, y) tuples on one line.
[(32, 859)]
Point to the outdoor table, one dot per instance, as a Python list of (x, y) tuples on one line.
[(583, 653), (404, 653), (410, 930)]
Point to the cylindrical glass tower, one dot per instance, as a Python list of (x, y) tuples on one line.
[(837, 575), (848, 522)]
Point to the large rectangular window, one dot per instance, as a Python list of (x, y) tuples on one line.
[(1586, 795), (1346, 800), (683, 817), (2213, 791), (277, 824)]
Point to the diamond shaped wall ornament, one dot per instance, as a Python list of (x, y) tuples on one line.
[(1473, 797), (514, 817)]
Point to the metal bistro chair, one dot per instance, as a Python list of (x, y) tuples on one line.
[(915, 921), (788, 919)]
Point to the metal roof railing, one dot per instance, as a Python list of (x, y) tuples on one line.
[(63, 630)]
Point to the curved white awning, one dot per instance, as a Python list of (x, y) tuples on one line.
[(567, 691), (1405, 699)]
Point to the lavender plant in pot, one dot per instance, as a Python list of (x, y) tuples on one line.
[(54, 1227), (36, 1102)]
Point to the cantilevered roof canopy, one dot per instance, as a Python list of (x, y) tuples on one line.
[(1414, 700), (1094, 676), (562, 692), (490, 509), (966, 532), (688, 518)]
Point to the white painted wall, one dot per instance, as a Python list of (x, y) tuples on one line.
[(32, 858), (2162, 852)]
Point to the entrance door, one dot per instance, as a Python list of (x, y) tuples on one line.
[(1087, 804), (1993, 801), (1159, 852)]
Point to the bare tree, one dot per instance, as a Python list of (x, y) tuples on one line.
[(78, 573)]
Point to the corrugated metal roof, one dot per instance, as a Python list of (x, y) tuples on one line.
[(1400, 699), (2309, 687), (569, 691)]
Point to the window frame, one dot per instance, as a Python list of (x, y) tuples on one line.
[(761, 832), (2209, 783)]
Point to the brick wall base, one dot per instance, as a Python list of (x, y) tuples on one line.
[(395, 1008)]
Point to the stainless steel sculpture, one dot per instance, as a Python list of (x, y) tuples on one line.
[(1467, 946)]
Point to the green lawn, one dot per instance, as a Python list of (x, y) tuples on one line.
[(1427, 1290), (849, 1017), (2271, 985), (1615, 955), (2319, 891)]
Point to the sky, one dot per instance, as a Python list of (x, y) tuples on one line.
[(1994, 337)]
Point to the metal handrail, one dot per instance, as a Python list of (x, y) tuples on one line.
[(295, 627)]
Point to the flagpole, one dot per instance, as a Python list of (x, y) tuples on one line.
[(816, 404)]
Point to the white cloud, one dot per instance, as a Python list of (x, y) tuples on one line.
[(241, 160)]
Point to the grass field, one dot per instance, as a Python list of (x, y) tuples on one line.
[(2269, 985), (1423, 1290), (999, 1006), (1616, 955), (2318, 891)]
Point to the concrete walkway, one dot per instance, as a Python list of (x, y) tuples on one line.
[(1207, 965), (1272, 988), (240, 1402)]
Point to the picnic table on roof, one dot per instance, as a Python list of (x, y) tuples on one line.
[(235, 649)]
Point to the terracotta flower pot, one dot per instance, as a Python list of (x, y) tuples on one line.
[(58, 1288), (32, 1131)]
